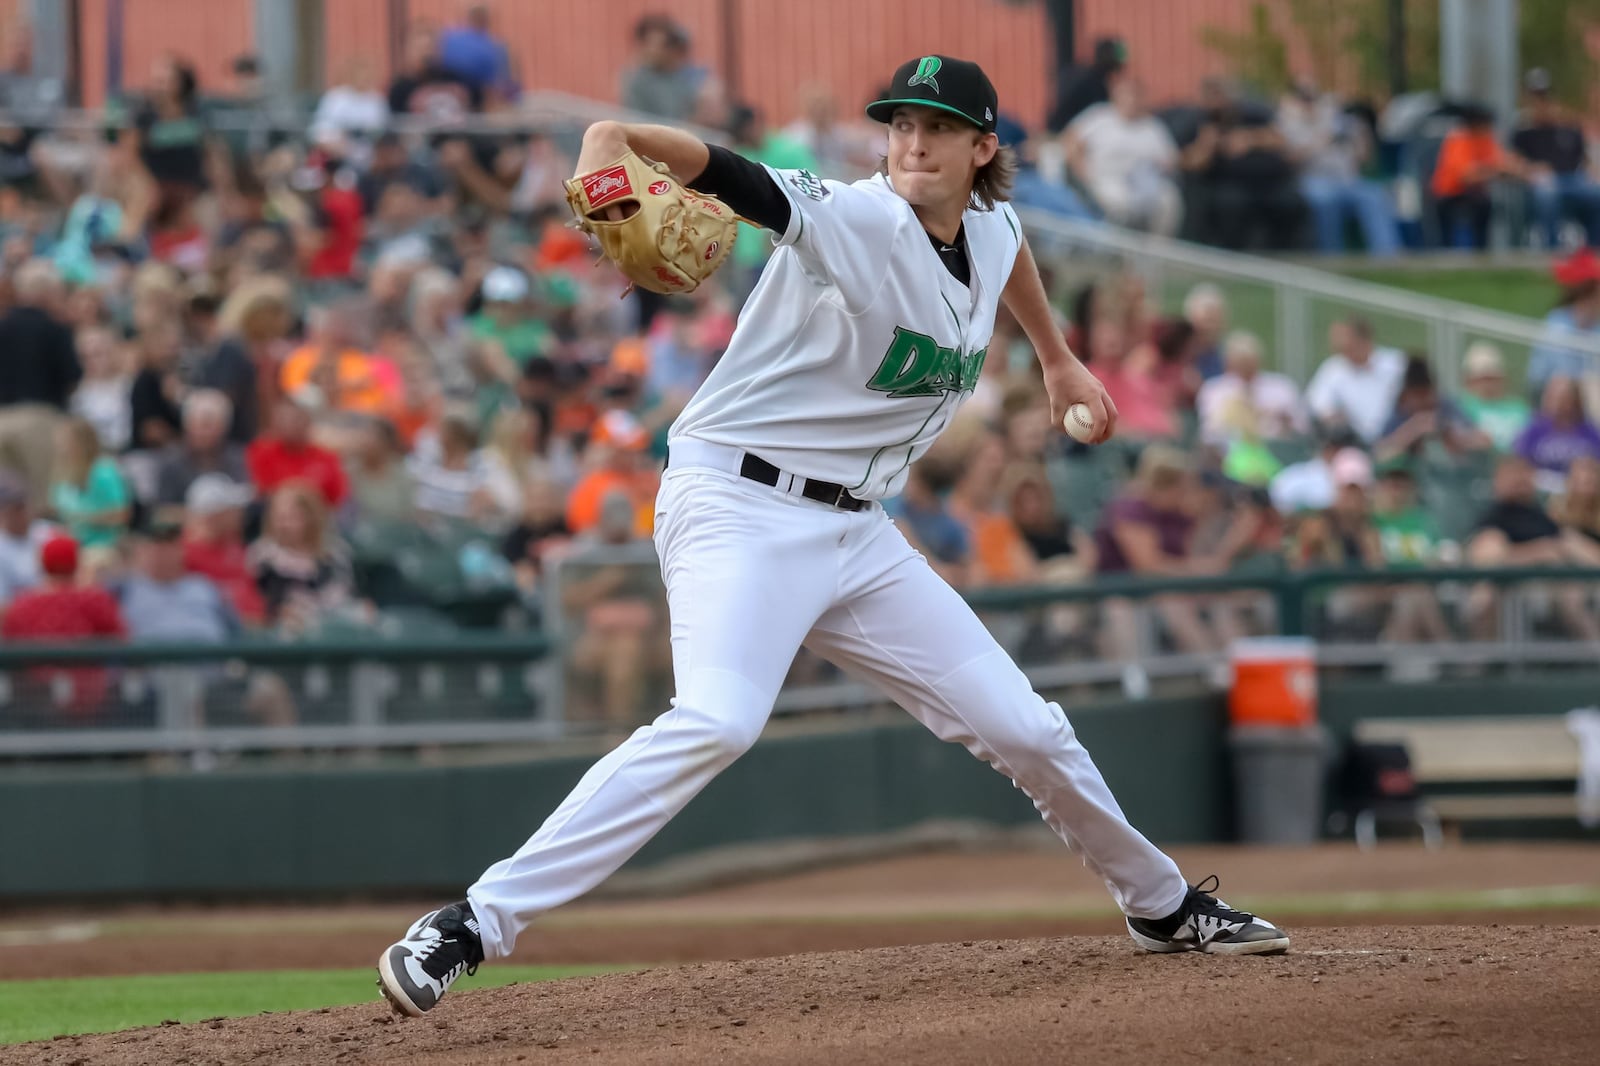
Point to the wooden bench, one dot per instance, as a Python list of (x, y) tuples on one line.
[(1478, 750)]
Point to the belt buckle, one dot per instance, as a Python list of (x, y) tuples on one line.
[(838, 500)]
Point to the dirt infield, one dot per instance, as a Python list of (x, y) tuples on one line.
[(910, 899), (1425, 995)]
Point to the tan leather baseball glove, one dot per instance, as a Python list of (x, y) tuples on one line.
[(671, 239)]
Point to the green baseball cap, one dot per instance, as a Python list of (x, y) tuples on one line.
[(955, 85)]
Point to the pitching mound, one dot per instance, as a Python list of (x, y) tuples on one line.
[(1423, 995)]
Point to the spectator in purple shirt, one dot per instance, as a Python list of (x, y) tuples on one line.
[(1149, 529), (1558, 434)]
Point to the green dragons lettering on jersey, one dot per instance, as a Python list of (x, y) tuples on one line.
[(915, 365)]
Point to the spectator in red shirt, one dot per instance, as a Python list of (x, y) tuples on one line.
[(213, 542), (287, 454), (61, 611)]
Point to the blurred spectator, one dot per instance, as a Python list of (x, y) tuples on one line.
[(1485, 401), (1248, 183), (21, 537), (286, 453), (426, 88), (351, 108), (1561, 180), (1514, 532), (545, 167), (472, 52), (300, 567), (61, 611), (1000, 553), (1139, 381), (1342, 534), (1558, 434), (484, 173), (1030, 188), (382, 490), (508, 318), (330, 372), (1079, 88), (37, 375), (1313, 484), (680, 352), (105, 220), (169, 138), (1148, 530), (1406, 531), (452, 477), (513, 456), (1421, 416), (1576, 316), (160, 600), (844, 151), (320, 202), (1356, 385), (617, 607), (213, 542), (752, 139), (252, 325), (1470, 160), (1331, 148), (1245, 402), (1577, 511), (104, 396), (392, 166), (203, 449), (157, 391), (1408, 538), (540, 534), (662, 81), (620, 454), (89, 494), (1064, 551), (1206, 309), (921, 515), (1126, 159)]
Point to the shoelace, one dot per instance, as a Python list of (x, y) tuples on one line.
[(437, 938), (1210, 906)]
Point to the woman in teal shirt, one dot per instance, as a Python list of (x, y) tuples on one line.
[(89, 494)]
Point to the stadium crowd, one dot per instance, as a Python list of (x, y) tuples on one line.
[(244, 372)]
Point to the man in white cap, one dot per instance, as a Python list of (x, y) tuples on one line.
[(213, 542), (507, 319), (1486, 401)]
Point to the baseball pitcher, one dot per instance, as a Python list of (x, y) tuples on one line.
[(863, 336)]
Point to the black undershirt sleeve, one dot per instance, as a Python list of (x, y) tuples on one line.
[(746, 187)]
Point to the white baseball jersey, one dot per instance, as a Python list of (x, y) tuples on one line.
[(857, 345)]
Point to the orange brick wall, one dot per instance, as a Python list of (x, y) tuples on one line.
[(580, 46)]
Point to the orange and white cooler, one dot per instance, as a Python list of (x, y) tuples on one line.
[(1274, 682), (1279, 751)]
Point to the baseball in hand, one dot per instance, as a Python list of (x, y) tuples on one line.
[(1079, 423)]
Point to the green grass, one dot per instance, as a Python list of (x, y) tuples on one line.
[(1515, 291), (38, 1010)]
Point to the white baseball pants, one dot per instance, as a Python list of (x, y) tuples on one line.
[(752, 573)]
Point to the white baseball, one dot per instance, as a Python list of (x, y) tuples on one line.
[(1079, 423)]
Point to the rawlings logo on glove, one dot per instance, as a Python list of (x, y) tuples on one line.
[(669, 241)]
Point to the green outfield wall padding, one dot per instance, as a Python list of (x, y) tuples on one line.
[(70, 833), (75, 833)]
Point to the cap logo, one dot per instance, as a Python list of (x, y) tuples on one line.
[(988, 115), (926, 69)]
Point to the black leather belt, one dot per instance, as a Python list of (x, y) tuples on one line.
[(824, 492)]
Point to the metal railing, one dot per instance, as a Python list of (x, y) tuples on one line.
[(494, 688), (1290, 305)]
